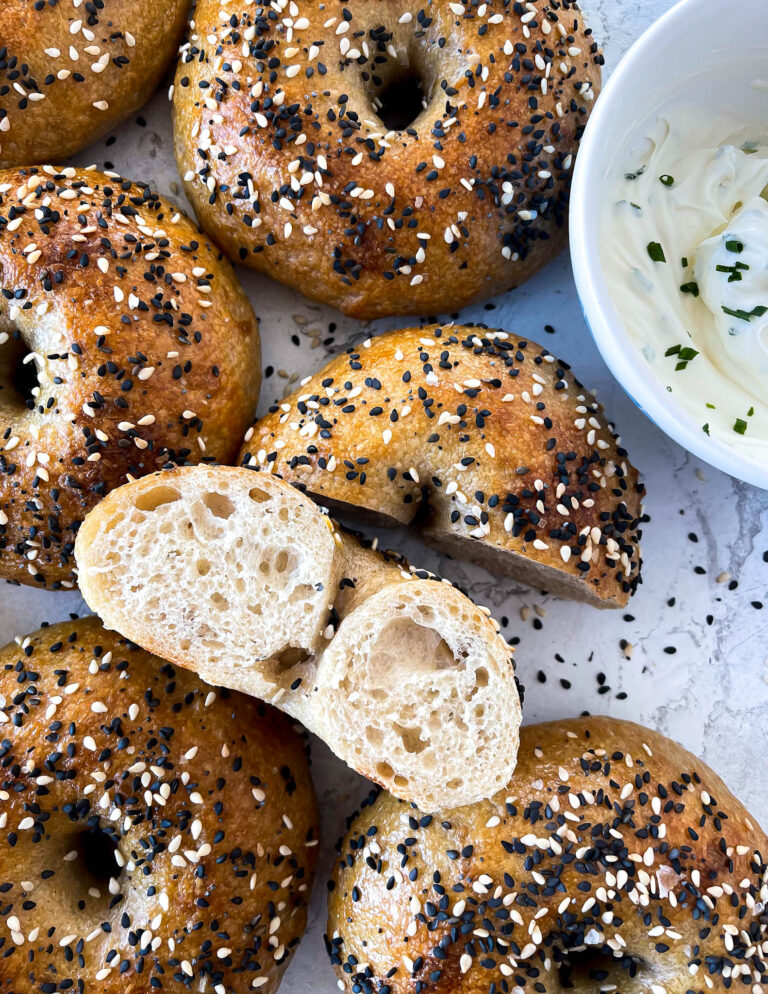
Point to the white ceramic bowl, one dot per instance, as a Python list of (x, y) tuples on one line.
[(700, 48)]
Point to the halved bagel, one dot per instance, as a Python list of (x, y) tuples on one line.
[(241, 578), (516, 463)]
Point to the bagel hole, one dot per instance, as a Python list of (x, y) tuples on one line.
[(98, 848), (400, 103), (593, 970), (19, 383)]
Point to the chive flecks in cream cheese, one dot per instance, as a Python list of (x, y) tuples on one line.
[(684, 251)]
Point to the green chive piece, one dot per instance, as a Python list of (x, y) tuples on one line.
[(705, 428), (684, 354), (734, 245), (656, 252), (667, 180), (740, 426), (756, 312), (692, 287)]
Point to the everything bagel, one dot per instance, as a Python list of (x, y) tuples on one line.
[(125, 343), (70, 71), (285, 155), (156, 833), (613, 861), (519, 468)]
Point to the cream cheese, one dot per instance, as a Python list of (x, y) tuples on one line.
[(684, 250)]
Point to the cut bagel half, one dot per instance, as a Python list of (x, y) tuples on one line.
[(480, 438), (241, 578)]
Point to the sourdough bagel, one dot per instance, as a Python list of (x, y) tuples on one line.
[(520, 470), (70, 71), (157, 833), (244, 580), (289, 165), (613, 861), (145, 349)]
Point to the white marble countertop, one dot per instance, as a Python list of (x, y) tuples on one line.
[(690, 654)]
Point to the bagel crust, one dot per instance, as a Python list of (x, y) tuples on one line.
[(70, 71), (146, 352), (613, 861), (520, 469), (291, 169), (156, 833)]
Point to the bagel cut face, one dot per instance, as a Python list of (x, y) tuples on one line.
[(70, 71), (126, 343), (157, 833), (614, 860), (239, 577), (385, 157), (513, 461)]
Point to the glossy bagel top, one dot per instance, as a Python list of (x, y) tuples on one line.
[(125, 343), (515, 461), (613, 861), (70, 70), (289, 165)]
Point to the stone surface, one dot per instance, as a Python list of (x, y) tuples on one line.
[(689, 656)]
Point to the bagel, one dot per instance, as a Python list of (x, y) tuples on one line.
[(613, 861), (289, 157), (157, 833), (518, 467), (244, 580), (145, 349), (89, 65)]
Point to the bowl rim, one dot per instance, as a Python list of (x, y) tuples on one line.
[(622, 360)]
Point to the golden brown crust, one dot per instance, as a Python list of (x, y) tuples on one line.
[(146, 348), (291, 169), (204, 794), (614, 855), (70, 71), (520, 468)]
